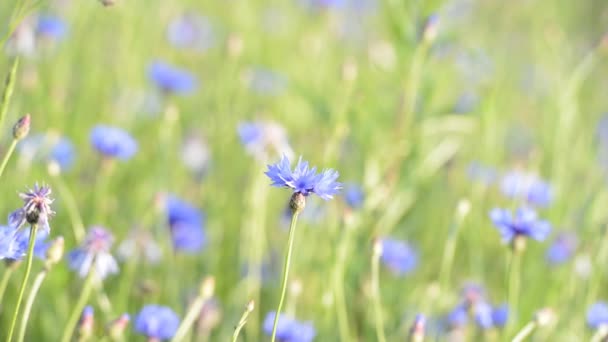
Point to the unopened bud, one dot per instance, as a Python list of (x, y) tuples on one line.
[(116, 328), (22, 127), (55, 251), (544, 317), (250, 306), (297, 203), (463, 208), (431, 28), (377, 247), (85, 327), (207, 287), (417, 329), (519, 244)]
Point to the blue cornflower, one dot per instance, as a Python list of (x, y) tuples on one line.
[(562, 249), (500, 315), (187, 225), (87, 320), (289, 329), (94, 252), (191, 31), (14, 243), (522, 185), (525, 223), (418, 327), (157, 322), (304, 180), (597, 315), (261, 137), (487, 317), (48, 147), (51, 26), (113, 142), (36, 209), (354, 196), (458, 317), (170, 79), (472, 293), (398, 256)]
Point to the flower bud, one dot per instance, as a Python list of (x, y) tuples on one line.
[(297, 203), (377, 247), (117, 327), (22, 127), (417, 329), (544, 317), (207, 287), (85, 327), (430, 29)]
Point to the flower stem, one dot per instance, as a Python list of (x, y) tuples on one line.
[(30, 302), (376, 297), (80, 304), (242, 321), (514, 278), (341, 309), (292, 233), (4, 282), (28, 268), (7, 156), (72, 208), (8, 90), (524, 332), (193, 313)]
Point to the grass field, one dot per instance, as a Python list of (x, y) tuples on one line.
[(470, 138)]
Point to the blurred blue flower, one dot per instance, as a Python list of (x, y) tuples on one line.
[(398, 256), (522, 185), (562, 248), (289, 329), (140, 244), (458, 317), (156, 322), (170, 79), (466, 103), (87, 320), (191, 31), (472, 293), (265, 82), (487, 317), (94, 252), (597, 315), (50, 26), (481, 173), (187, 224), (36, 209), (14, 243), (260, 138), (500, 315), (525, 223), (113, 142), (48, 147), (418, 328), (354, 196), (303, 179)]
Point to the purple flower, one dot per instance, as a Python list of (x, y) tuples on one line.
[(191, 31), (187, 225), (36, 209), (262, 137), (14, 243), (354, 196), (304, 180), (398, 256), (289, 329), (155, 321), (170, 79), (525, 223), (50, 26), (597, 315), (562, 249), (94, 252), (527, 186), (113, 142)]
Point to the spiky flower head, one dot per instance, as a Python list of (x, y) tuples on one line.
[(36, 209), (515, 228)]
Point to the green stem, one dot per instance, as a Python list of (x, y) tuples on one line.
[(30, 302), (341, 309), (5, 278), (242, 322), (291, 238), (71, 207), (376, 297), (80, 304), (514, 278), (8, 90), (524, 332), (7, 156), (28, 268), (193, 313)]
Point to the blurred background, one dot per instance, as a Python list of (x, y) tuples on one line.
[(433, 113)]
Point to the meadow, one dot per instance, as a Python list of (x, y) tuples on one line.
[(157, 170)]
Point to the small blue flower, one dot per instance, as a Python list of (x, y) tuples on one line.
[(48, 147), (36, 209), (525, 223), (597, 315), (187, 225), (483, 315), (562, 249), (289, 329), (170, 79), (500, 315), (158, 322), (354, 196), (94, 252), (14, 243), (113, 142), (50, 26), (522, 185), (260, 138), (304, 180), (191, 31), (458, 317), (398, 256), (472, 293)]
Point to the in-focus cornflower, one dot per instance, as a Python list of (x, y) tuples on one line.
[(140, 244), (157, 322), (14, 243), (261, 138), (304, 180), (354, 196), (525, 223), (289, 329), (48, 147), (36, 209), (113, 142), (398, 256), (94, 252), (487, 317), (170, 79), (51, 27), (597, 315), (187, 225), (191, 31), (562, 249), (265, 82), (522, 185)]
